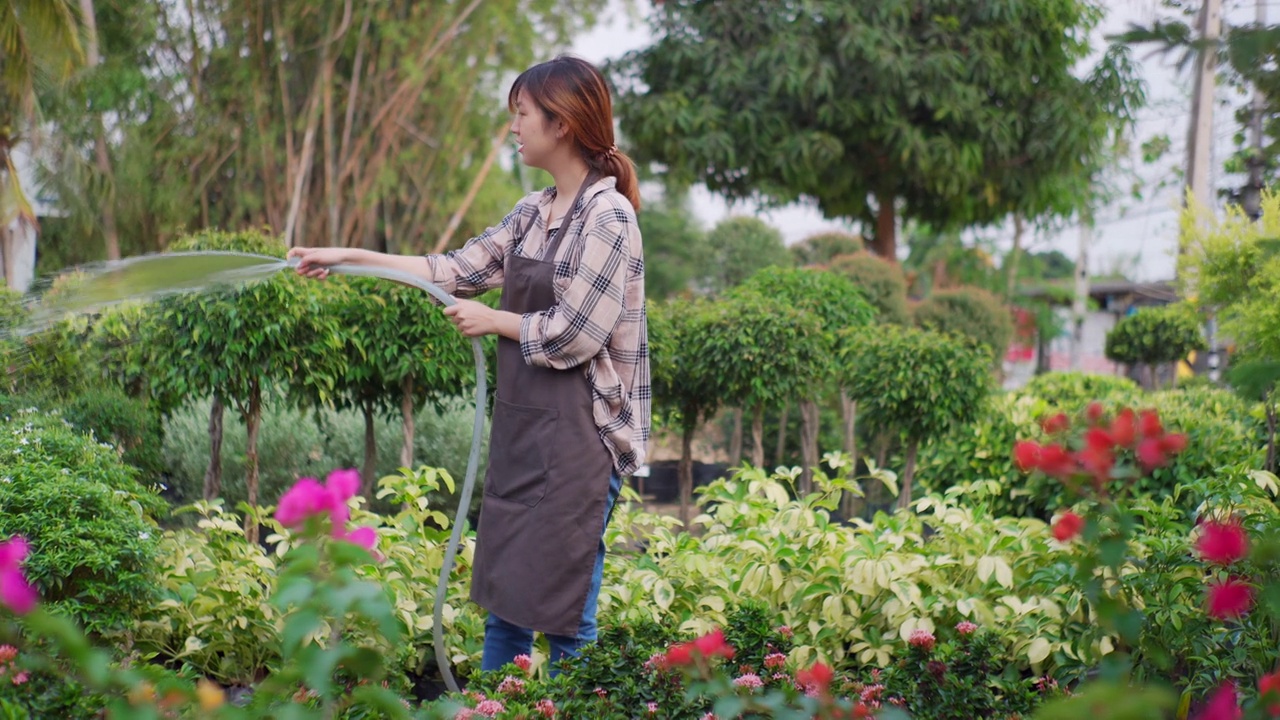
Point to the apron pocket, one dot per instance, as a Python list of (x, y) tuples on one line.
[(519, 442)]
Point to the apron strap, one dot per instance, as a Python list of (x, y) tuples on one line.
[(549, 252)]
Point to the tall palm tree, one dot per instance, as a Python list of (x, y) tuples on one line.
[(39, 47)]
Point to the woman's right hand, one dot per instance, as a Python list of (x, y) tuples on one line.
[(315, 262)]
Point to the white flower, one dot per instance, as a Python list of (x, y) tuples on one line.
[(66, 471), (24, 441), (6, 479), (144, 536)]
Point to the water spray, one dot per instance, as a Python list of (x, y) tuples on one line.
[(151, 276)]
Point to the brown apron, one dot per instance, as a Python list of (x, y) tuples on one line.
[(548, 479)]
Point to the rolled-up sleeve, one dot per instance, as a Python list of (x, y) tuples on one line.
[(574, 330), (478, 265)]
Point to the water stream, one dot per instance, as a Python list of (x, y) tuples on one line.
[(92, 289)]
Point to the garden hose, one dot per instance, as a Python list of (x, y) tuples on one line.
[(473, 460)]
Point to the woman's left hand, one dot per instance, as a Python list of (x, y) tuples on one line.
[(472, 318)]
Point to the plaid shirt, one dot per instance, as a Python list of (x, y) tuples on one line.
[(598, 320)]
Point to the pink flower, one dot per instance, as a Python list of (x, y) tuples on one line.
[(15, 592), (922, 639), (966, 628), (653, 708), (546, 707), (1230, 599), (524, 662), (511, 686), (749, 680), (1222, 542), (775, 660), (602, 693), (490, 708), (20, 678), (343, 484), (14, 551), (871, 692), (785, 631), (464, 714), (365, 537), (1222, 706), (305, 499), (7, 654)]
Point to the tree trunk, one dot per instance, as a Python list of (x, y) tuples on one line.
[(757, 437), (370, 451), (735, 439), (808, 444), (782, 433), (908, 472), (885, 243), (685, 474), (406, 416), (213, 473), (252, 420), (849, 408), (1011, 271)]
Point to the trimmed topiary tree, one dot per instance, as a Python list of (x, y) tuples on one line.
[(972, 312), (881, 281), (737, 248), (917, 383), (1155, 336), (234, 345), (686, 387), (765, 351), (821, 248)]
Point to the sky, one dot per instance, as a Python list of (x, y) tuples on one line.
[(1136, 237)]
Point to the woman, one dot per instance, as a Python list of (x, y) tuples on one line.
[(571, 415)]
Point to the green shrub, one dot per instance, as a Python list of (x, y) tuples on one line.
[(881, 282), (128, 424), (1071, 391), (966, 677), (87, 518), (1154, 336), (969, 311)]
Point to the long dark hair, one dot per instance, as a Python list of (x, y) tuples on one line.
[(573, 91)]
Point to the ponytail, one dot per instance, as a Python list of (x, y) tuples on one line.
[(614, 162)]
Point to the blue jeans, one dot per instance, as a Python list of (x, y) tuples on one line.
[(503, 641)]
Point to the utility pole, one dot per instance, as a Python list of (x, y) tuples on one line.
[(1080, 302), (1200, 134), (1251, 194)]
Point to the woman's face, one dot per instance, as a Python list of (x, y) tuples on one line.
[(535, 135)]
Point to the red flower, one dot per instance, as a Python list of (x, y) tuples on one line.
[(1150, 454), (1149, 424), (1055, 461), (1027, 455), (1222, 706), (1097, 460), (1229, 599), (1123, 429), (1270, 684), (1173, 443), (1222, 542), (1094, 413), (1055, 424), (819, 676), (713, 645), (1098, 439), (1067, 526), (678, 655)]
